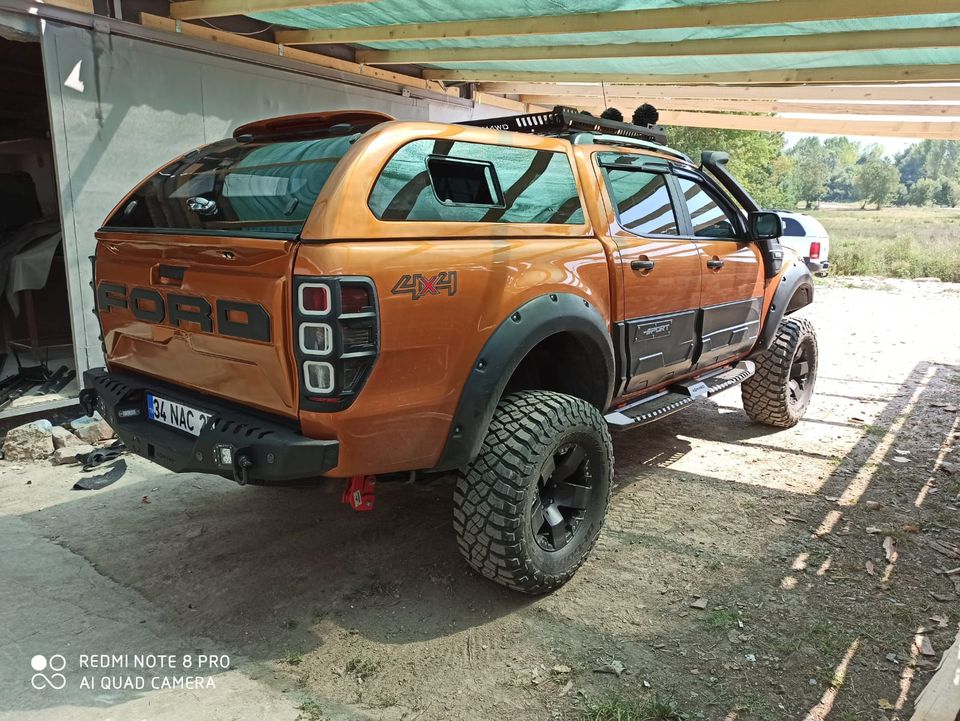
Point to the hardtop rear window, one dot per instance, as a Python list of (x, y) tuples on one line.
[(231, 187)]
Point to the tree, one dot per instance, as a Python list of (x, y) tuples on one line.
[(756, 159), (949, 193), (811, 170), (841, 156), (876, 182), (935, 159), (923, 192)]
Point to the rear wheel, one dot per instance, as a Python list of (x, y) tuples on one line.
[(780, 391), (529, 509)]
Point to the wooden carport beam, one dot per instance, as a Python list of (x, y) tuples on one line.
[(880, 128), (627, 102), (686, 16), (840, 93), (193, 9), (807, 43), (828, 76)]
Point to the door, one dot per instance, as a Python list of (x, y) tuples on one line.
[(658, 272), (731, 291)]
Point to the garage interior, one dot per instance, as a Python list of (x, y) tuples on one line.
[(37, 360)]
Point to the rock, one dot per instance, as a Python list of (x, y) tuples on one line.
[(614, 667), (700, 603), (890, 549), (948, 467), (63, 438), (94, 432), (29, 442), (78, 423), (68, 454), (561, 668), (924, 646)]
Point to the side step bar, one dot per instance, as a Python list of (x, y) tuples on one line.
[(678, 396)]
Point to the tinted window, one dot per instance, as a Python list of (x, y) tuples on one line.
[(534, 186), (643, 202), (464, 182), (266, 187), (792, 227), (709, 219)]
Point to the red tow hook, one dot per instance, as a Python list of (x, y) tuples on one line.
[(359, 493)]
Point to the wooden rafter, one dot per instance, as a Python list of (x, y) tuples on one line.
[(263, 46), (747, 106), (806, 43), (193, 9), (881, 128), (829, 76), (887, 93), (713, 15)]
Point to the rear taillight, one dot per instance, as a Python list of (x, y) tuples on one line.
[(337, 337), (815, 250), (314, 298)]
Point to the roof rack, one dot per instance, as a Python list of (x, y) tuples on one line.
[(561, 121), (587, 138)]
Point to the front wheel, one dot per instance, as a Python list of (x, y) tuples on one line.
[(780, 391), (529, 509)]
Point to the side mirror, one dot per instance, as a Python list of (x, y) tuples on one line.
[(765, 225)]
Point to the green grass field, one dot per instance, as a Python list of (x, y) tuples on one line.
[(893, 242)]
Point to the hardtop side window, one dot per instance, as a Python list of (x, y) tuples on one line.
[(642, 200), (259, 187), (526, 185), (708, 216), (464, 182)]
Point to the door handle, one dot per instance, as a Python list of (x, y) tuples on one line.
[(715, 264), (642, 265)]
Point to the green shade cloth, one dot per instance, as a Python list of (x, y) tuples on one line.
[(386, 12)]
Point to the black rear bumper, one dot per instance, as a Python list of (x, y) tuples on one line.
[(234, 443)]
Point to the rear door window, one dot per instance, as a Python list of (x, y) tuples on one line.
[(642, 201), (442, 180), (233, 187)]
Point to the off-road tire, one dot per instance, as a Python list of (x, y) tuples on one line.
[(767, 394), (496, 495)]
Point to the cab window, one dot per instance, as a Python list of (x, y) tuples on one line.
[(708, 217), (642, 201)]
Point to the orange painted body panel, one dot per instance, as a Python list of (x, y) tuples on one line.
[(401, 418), (258, 374), (740, 277)]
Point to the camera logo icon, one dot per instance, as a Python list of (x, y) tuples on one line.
[(48, 672)]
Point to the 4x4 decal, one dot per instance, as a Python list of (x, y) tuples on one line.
[(418, 285)]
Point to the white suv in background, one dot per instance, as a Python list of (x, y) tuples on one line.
[(808, 238)]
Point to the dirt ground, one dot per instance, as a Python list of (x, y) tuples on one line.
[(328, 614)]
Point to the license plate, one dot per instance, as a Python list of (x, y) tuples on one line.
[(175, 414)]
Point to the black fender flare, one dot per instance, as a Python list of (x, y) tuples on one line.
[(795, 290), (507, 346)]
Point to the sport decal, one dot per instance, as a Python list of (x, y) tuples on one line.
[(419, 285)]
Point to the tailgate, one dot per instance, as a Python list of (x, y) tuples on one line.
[(206, 313)]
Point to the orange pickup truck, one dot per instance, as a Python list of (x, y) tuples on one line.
[(343, 295)]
